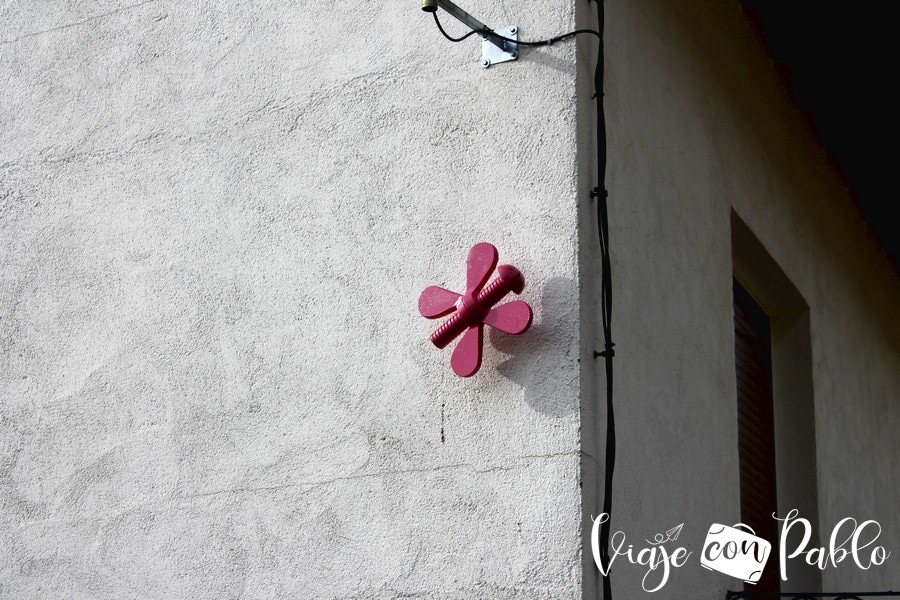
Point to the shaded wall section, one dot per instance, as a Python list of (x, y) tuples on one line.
[(700, 127)]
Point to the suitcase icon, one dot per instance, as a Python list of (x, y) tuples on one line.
[(734, 552)]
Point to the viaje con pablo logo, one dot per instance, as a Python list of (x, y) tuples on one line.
[(737, 552)]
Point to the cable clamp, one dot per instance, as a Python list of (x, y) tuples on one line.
[(596, 192), (609, 352)]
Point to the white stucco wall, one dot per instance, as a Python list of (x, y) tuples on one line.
[(216, 222)]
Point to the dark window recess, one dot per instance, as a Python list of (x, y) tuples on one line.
[(756, 426)]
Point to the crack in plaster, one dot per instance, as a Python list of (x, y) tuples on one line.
[(316, 484), (51, 155), (230, 50), (92, 519), (76, 24)]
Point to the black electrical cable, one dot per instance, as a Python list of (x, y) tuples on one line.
[(600, 194), (547, 42), (608, 352), (447, 35), (483, 32)]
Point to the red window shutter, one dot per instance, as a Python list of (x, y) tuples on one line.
[(756, 426)]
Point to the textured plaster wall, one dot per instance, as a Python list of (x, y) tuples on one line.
[(699, 126), (215, 221)]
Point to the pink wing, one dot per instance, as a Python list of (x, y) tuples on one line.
[(436, 302), (513, 317), (479, 266), (466, 358)]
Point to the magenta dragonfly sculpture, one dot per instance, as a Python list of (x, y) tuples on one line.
[(476, 308)]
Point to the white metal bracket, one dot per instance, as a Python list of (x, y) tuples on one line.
[(492, 53), (500, 45)]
